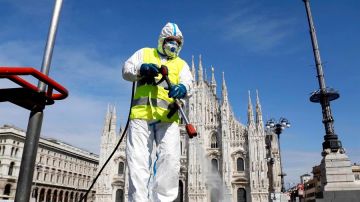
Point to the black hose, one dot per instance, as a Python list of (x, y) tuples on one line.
[(116, 147)]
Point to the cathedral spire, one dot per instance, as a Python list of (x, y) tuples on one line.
[(213, 82), (113, 119), (107, 120), (205, 75), (193, 71), (108, 109), (224, 88), (250, 112), (259, 120), (200, 71)]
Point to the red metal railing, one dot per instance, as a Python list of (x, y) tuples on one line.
[(13, 72)]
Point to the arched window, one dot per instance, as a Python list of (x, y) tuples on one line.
[(121, 168), (61, 194), (42, 195), (213, 141), (55, 196), (12, 151), (66, 196), (241, 195), (71, 196), (240, 165), (16, 152), (214, 165), (11, 168), (35, 193), (119, 195), (48, 195), (7, 189)]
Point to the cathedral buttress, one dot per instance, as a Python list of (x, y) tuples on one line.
[(259, 183)]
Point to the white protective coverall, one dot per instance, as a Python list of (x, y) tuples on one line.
[(163, 184)]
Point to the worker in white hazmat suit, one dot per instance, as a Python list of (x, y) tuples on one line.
[(149, 123)]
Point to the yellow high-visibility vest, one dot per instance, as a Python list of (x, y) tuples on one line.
[(151, 102)]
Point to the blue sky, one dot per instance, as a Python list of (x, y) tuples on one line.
[(262, 45)]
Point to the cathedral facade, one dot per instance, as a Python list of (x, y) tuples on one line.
[(227, 161)]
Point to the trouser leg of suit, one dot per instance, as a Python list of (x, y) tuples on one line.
[(166, 172), (139, 146)]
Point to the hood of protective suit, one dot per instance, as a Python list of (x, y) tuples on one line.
[(170, 30)]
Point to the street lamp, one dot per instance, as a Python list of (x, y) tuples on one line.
[(324, 95), (277, 128)]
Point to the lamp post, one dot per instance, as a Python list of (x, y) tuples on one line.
[(277, 128), (324, 95)]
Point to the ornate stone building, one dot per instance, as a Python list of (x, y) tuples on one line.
[(227, 161), (110, 185), (62, 172)]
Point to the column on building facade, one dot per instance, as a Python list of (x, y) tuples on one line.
[(44, 197), (38, 194)]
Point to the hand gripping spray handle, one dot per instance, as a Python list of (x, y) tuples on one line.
[(190, 129)]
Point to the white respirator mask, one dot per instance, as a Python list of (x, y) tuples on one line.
[(171, 48)]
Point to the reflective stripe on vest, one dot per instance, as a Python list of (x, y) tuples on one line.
[(151, 102)]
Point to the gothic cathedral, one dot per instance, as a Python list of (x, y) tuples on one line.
[(227, 161)]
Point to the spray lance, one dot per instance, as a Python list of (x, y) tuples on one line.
[(190, 129)]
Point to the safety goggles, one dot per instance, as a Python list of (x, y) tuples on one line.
[(173, 38)]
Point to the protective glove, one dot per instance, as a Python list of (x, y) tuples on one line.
[(177, 91), (149, 70)]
